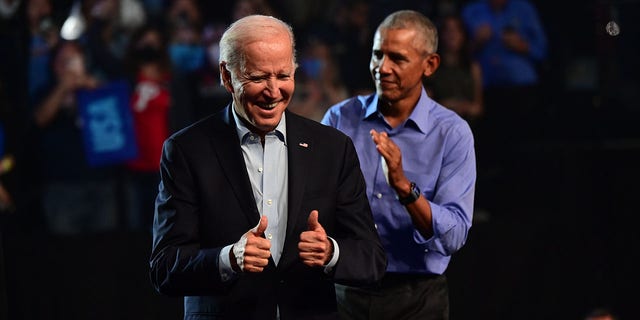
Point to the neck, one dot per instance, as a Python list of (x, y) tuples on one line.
[(395, 113)]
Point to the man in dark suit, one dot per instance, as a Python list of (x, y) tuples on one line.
[(261, 211)]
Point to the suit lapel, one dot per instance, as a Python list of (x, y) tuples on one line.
[(226, 145), (300, 148)]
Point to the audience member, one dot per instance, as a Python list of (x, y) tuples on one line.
[(76, 198), (188, 57), (509, 42), (43, 38), (106, 38), (419, 165), (351, 37), (457, 84), (185, 26), (319, 80), (150, 73)]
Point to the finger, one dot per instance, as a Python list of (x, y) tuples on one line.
[(312, 256), (312, 222), (375, 136), (252, 268), (259, 243), (256, 261), (311, 260), (313, 243), (262, 226)]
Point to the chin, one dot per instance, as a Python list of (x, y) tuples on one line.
[(267, 124)]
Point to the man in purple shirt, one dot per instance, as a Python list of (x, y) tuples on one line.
[(418, 160)]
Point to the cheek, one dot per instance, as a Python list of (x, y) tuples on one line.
[(250, 91), (289, 88)]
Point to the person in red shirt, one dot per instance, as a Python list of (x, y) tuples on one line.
[(149, 68)]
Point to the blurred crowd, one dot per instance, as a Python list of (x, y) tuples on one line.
[(56, 53)]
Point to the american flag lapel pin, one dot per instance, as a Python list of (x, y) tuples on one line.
[(303, 144)]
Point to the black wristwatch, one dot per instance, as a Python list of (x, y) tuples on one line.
[(414, 194)]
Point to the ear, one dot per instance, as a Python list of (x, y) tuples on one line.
[(225, 77), (430, 64)]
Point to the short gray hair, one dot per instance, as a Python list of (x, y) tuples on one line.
[(246, 29), (410, 19)]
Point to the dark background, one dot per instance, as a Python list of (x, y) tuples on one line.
[(559, 237)]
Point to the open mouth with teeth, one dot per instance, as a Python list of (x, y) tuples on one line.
[(268, 106)]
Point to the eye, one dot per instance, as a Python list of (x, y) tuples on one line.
[(397, 57), (377, 54), (256, 79)]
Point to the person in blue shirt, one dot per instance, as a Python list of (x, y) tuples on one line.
[(508, 39), (418, 161)]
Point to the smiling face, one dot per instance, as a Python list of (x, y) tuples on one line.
[(398, 65), (263, 89)]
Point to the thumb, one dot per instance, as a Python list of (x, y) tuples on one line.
[(261, 227), (312, 222)]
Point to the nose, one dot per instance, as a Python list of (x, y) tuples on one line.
[(381, 66), (272, 88)]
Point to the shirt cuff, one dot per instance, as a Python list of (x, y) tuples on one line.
[(224, 264), (334, 260)]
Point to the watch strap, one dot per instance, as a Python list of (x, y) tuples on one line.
[(414, 194)]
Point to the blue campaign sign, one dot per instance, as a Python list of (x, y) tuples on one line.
[(107, 124)]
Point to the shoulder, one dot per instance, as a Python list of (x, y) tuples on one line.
[(351, 109), (201, 130), (449, 123), (312, 128)]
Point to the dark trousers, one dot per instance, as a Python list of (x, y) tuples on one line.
[(398, 296)]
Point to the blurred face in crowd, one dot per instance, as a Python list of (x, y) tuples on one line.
[(263, 87), (398, 63), (151, 38), (452, 35), (69, 60), (37, 10)]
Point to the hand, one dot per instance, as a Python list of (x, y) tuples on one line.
[(483, 34), (315, 248), (251, 253), (393, 157), (72, 80), (515, 42)]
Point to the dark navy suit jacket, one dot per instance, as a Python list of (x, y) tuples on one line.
[(205, 202)]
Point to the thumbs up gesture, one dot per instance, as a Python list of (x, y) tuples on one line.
[(315, 248), (251, 253)]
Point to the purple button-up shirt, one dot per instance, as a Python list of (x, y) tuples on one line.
[(438, 155)]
